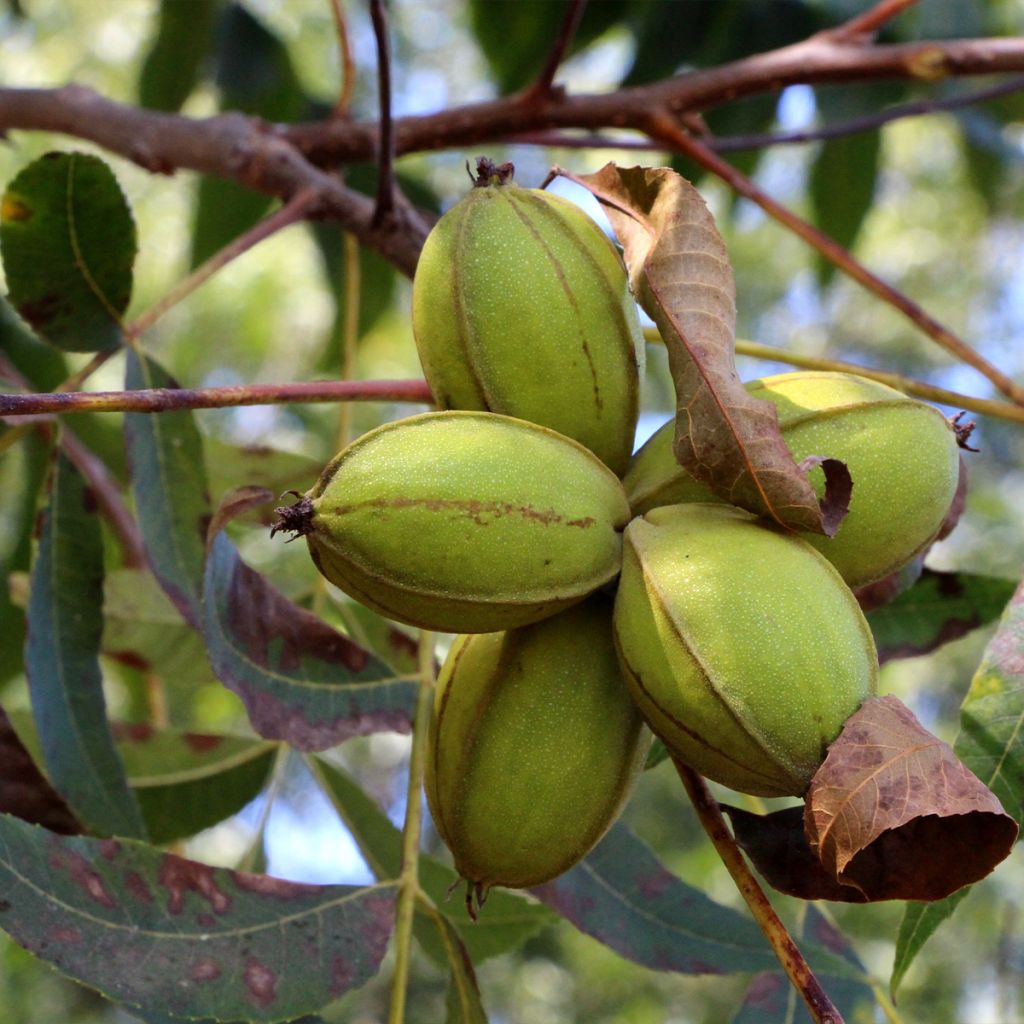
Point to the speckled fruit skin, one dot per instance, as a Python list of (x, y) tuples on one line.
[(742, 646), (535, 746), (467, 522), (901, 453), (521, 306)]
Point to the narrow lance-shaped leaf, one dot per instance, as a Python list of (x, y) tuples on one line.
[(301, 681), (681, 276), (65, 622), (506, 922), (991, 744), (173, 936), (68, 242), (172, 65), (165, 453), (624, 897)]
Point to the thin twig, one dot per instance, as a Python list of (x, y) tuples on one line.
[(348, 64), (294, 210), (840, 129), (908, 385), (386, 150), (352, 291), (664, 127), (868, 23), (540, 90), (793, 963), (163, 399), (408, 881)]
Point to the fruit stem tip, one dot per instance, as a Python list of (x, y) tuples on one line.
[(488, 173), (295, 519)]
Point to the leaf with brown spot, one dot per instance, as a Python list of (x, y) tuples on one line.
[(68, 240), (202, 941), (681, 276), (301, 681), (24, 791), (939, 607), (991, 743), (893, 812), (621, 895)]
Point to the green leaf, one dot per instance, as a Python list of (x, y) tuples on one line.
[(300, 680), (255, 76), (621, 895), (43, 366), (22, 471), (65, 618), (991, 744), (842, 188), (144, 630), (68, 241), (506, 921), (165, 452), (463, 1004), (184, 781), (939, 607), (770, 999), (171, 68), (516, 35), (177, 937), (230, 466)]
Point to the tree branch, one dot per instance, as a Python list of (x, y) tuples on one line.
[(541, 88), (386, 154), (871, 20)]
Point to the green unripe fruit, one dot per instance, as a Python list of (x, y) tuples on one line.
[(901, 453), (743, 648), (521, 306), (534, 747), (465, 522)]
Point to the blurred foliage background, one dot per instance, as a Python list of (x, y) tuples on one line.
[(935, 204)]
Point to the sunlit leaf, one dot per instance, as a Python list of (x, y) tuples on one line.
[(300, 680), (991, 744), (165, 452), (174, 936), (68, 241), (65, 618)]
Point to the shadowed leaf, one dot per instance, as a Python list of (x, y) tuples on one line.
[(463, 1004), (172, 65), (300, 680), (771, 1000), (24, 791), (622, 896), (842, 189), (184, 781), (165, 453), (680, 273), (506, 921), (68, 241), (893, 812), (939, 607), (65, 622), (170, 935), (991, 744)]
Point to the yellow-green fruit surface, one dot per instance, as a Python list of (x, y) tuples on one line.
[(743, 648), (534, 747), (901, 453), (467, 522), (521, 306)]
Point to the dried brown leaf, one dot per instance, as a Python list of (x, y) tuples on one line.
[(893, 812), (681, 276)]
